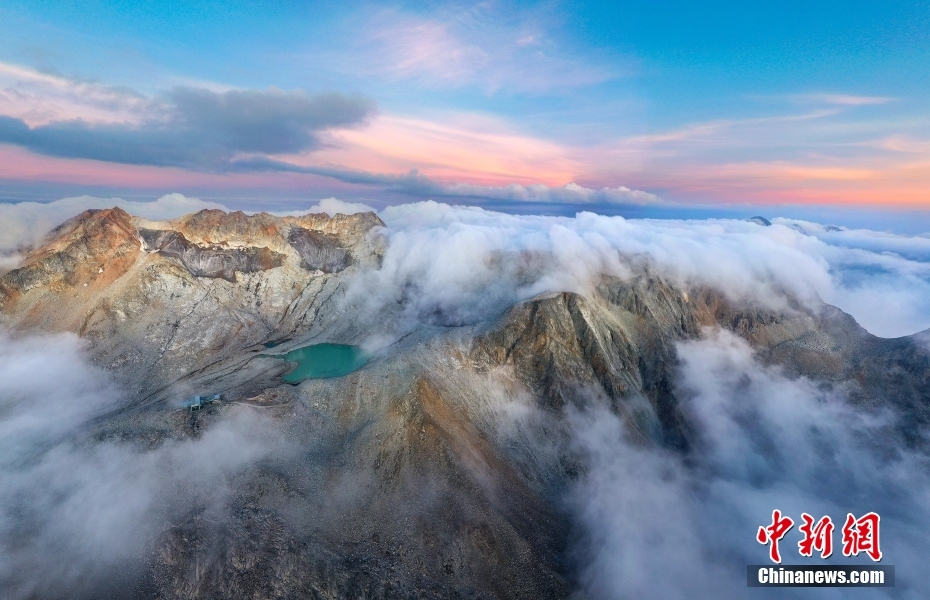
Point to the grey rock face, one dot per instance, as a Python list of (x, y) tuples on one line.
[(210, 261), (318, 251)]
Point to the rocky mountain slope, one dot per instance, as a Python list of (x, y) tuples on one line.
[(163, 300), (402, 479)]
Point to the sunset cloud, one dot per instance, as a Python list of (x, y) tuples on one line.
[(461, 147), (37, 98)]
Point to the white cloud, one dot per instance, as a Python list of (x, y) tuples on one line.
[(882, 279), (842, 99), (570, 193), (461, 264), (76, 517), (331, 206), (40, 98)]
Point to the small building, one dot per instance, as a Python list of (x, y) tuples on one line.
[(198, 402)]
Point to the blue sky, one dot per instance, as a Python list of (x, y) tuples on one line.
[(664, 105)]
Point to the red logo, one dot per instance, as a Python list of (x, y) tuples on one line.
[(774, 532), (816, 537), (859, 535)]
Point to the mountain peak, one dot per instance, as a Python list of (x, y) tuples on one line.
[(90, 250)]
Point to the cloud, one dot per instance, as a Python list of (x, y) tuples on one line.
[(197, 129), (459, 265), (25, 224), (570, 193), (89, 391), (331, 206), (404, 180), (661, 526), (413, 183), (271, 122), (880, 278), (491, 47), (38, 98), (79, 519), (9, 261), (830, 152), (842, 99), (814, 148)]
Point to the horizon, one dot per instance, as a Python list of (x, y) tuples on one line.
[(898, 221)]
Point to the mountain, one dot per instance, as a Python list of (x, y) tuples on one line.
[(401, 479), (161, 301)]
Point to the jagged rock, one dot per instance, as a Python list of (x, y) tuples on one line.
[(318, 251), (207, 261)]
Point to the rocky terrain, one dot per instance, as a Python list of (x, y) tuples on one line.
[(402, 479)]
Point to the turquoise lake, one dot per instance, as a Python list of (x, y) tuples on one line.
[(322, 361)]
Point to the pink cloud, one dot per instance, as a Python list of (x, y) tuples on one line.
[(421, 47), (466, 148), (843, 99), (483, 45), (40, 98), (19, 164)]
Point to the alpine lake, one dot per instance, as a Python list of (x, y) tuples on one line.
[(324, 361)]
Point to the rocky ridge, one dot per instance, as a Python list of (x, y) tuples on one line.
[(160, 300)]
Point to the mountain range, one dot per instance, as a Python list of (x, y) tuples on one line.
[(410, 477)]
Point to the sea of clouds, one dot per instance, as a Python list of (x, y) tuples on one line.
[(654, 524), (660, 525), (466, 263)]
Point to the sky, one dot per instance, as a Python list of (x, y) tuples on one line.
[(814, 110)]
